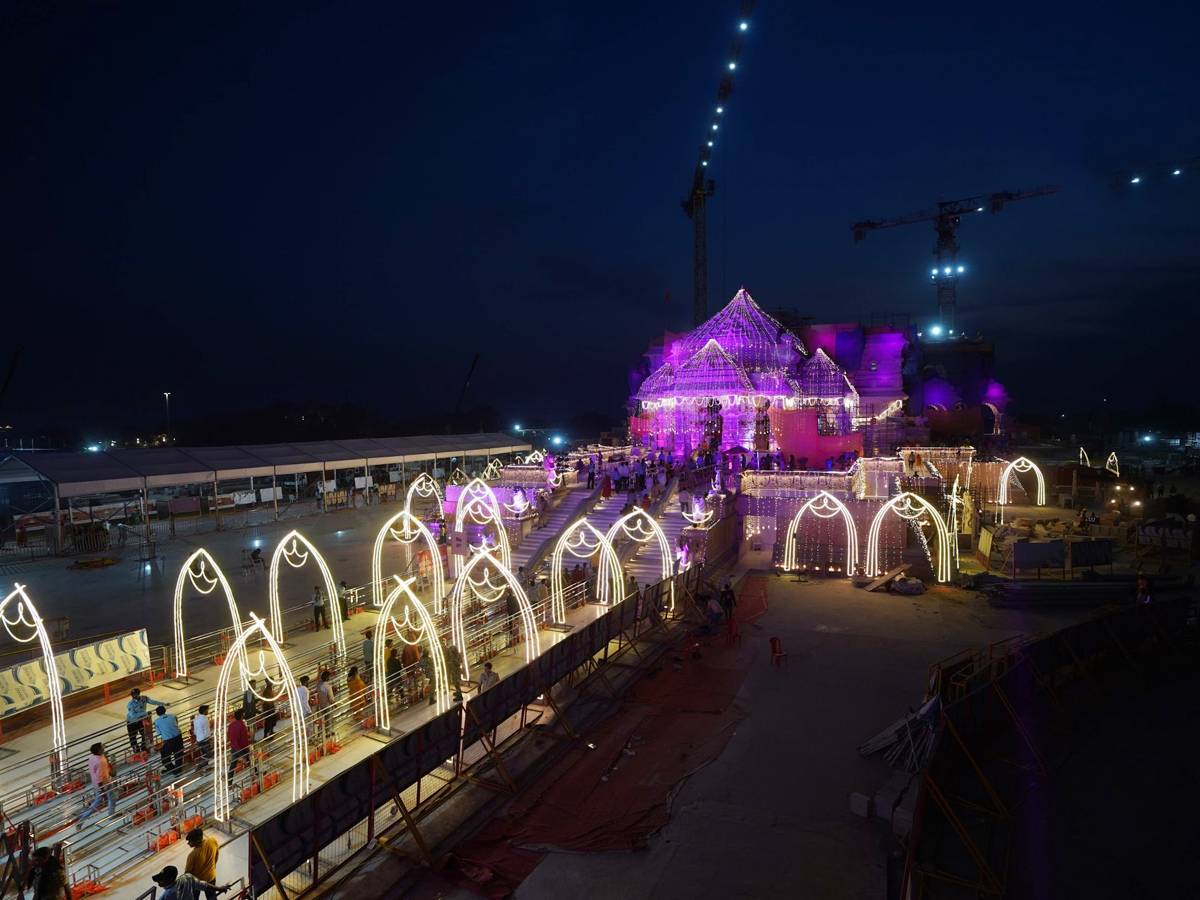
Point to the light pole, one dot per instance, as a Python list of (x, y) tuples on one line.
[(167, 394)]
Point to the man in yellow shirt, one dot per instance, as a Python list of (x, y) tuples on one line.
[(202, 861)]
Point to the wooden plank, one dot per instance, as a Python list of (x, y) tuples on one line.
[(884, 579)]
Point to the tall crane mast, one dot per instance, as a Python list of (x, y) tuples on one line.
[(702, 188), (946, 217)]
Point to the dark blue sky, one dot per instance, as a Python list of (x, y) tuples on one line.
[(346, 201)]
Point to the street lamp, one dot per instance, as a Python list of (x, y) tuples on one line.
[(167, 394)]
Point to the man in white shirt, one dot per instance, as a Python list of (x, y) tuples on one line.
[(300, 715), (203, 734), (488, 679)]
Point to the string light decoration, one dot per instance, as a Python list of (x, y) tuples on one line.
[(535, 458), (478, 503), (424, 487), (583, 540), (289, 549), (458, 477), (492, 470), (18, 612), (1084, 460), (483, 557), (1111, 464), (825, 506), (426, 631), (716, 383), (640, 526), (911, 507), (955, 501), (283, 687), (411, 529), (1020, 464), (519, 505), (201, 581)]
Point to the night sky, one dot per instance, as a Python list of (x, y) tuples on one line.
[(346, 201)]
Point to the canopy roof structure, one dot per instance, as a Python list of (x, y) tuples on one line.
[(78, 474)]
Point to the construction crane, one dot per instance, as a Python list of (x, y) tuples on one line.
[(702, 188), (946, 217)]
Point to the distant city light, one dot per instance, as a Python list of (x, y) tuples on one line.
[(93, 448), (1177, 172), (732, 66), (710, 143), (556, 440), (935, 330), (704, 163), (1135, 181), (960, 268), (1146, 437), (947, 270), (714, 126), (517, 427), (720, 109), (743, 26), (979, 209)]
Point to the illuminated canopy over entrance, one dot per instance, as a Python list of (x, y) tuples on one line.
[(411, 528), (23, 624), (289, 549), (911, 507), (825, 506), (481, 561), (583, 541), (200, 580), (1021, 464), (426, 632)]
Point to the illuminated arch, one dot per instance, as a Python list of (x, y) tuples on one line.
[(535, 458), (478, 502), (1021, 464), (333, 610), (492, 470), (825, 506), (27, 617), (483, 556), (285, 687), (641, 533), (424, 487), (428, 631), (201, 582), (457, 477), (575, 540), (995, 417), (909, 506), (1084, 460), (1111, 464), (411, 530)]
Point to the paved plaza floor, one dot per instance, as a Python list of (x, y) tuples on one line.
[(770, 817)]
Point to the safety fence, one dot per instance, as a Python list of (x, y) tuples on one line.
[(303, 845), (1008, 721)]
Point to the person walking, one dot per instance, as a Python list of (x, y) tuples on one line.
[(239, 742), (591, 472), (357, 689), (47, 878), (488, 679), (344, 601), (166, 726), (202, 732), (324, 711), (136, 716), (368, 652), (270, 718), (183, 887), (250, 703), (100, 772), (202, 861), (320, 619), (301, 713)]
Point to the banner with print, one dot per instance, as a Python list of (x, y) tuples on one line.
[(92, 665)]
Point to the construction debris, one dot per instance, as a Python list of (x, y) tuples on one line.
[(907, 741)]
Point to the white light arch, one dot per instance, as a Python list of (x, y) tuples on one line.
[(909, 506), (27, 617), (491, 472), (424, 487), (478, 502), (483, 556), (825, 506), (428, 632), (641, 533), (1021, 464), (1084, 459), (575, 540), (332, 608), (204, 585), (285, 687), (411, 530), (1111, 464)]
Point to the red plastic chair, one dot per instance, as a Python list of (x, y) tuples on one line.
[(733, 632), (777, 653)]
